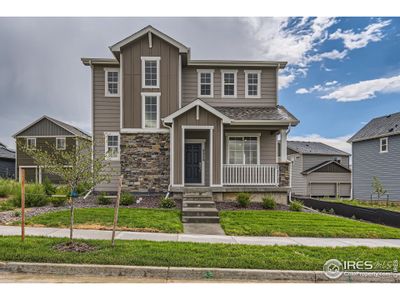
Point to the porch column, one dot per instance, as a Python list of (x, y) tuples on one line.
[(283, 153)]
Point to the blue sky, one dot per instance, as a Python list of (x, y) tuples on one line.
[(341, 72)]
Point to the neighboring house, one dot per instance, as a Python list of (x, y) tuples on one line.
[(319, 170), (41, 134), (376, 153), (168, 123), (7, 162)]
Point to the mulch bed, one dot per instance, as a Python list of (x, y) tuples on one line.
[(231, 205), (74, 247)]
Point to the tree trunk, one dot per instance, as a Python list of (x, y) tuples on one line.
[(71, 228)]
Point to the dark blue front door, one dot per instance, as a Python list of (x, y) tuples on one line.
[(192, 163)]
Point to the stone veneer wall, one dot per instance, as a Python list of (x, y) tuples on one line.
[(145, 162), (284, 176)]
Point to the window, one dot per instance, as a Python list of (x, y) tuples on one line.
[(60, 144), (243, 150), (111, 82), (338, 159), (150, 110), (253, 84), (31, 143), (205, 83), (112, 145), (228, 83), (151, 72), (384, 145)]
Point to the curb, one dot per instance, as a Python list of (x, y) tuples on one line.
[(204, 274)]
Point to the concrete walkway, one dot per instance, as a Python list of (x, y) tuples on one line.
[(175, 237)]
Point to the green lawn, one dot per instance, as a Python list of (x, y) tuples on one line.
[(365, 204), (179, 254), (284, 223), (140, 219)]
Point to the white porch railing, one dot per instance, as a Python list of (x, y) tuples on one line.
[(251, 174)]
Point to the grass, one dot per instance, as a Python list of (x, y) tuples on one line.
[(368, 204), (138, 219), (284, 223), (179, 254)]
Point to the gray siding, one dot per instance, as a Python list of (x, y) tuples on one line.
[(45, 128), (105, 119), (368, 162), (311, 160), (299, 183), (7, 168), (268, 88)]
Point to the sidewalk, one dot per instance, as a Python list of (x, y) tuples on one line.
[(181, 237)]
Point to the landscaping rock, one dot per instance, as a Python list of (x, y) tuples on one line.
[(230, 205), (74, 247)]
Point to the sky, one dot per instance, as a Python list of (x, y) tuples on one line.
[(341, 72)]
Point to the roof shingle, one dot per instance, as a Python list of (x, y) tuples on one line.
[(314, 148), (6, 153)]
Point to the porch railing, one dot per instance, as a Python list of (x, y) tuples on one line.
[(251, 174)]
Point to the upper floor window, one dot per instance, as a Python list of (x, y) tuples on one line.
[(150, 110), (228, 79), (112, 145), (243, 150), (31, 143), (111, 82), (151, 72), (60, 143), (205, 85), (384, 145), (253, 84)]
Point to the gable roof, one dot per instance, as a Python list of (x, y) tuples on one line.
[(378, 127), (197, 102), (148, 29), (324, 164), (72, 129), (314, 148), (6, 153)]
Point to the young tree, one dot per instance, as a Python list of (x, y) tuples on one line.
[(377, 187), (74, 167)]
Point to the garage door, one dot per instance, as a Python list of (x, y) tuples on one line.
[(323, 189), (344, 189)]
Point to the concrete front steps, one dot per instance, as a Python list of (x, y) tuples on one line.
[(199, 207)]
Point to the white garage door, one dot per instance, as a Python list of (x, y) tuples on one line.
[(344, 189), (323, 189)]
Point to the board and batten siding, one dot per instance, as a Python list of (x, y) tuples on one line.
[(368, 162), (205, 119), (105, 119), (45, 128), (268, 87), (299, 182), (132, 78), (311, 160)]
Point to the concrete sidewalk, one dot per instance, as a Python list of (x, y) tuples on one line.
[(174, 237)]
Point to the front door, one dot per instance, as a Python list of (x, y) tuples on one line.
[(193, 160)]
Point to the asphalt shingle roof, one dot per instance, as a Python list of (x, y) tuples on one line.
[(314, 148), (277, 113), (379, 127), (6, 153)]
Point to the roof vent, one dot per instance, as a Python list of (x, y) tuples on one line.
[(391, 129), (388, 116)]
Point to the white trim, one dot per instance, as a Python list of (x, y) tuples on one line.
[(243, 135), (203, 145), (150, 39), (28, 167), (264, 122), (150, 94), (121, 107), (33, 139), (106, 92), (144, 130), (246, 73), (180, 82), (222, 153), (205, 71), (227, 71), (197, 102), (172, 158), (152, 58), (65, 143), (197, 112), (387, 145), (211, 136), (106, 135), (44, 136), (283, 152)]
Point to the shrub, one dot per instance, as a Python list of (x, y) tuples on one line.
[(243, 199), (49, 187), (6, 205), (63, 190), (167, 203), (35, 196), (331, 211), (127, 199), (58, 200), (269, 202), (83, 188), (8, 187), (17, 213), (102, 199), (296, 205)]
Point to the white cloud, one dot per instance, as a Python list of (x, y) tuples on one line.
[(285, 80), (302, 91), (365, 89), (333, 82), (338, 142), (333, 55), (317, 87), (352, 40)]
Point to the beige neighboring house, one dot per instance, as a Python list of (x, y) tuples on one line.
[(319, 170), (172, 124)]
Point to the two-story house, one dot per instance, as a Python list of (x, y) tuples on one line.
[(170, 123), (376, 153), (319, 170)]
